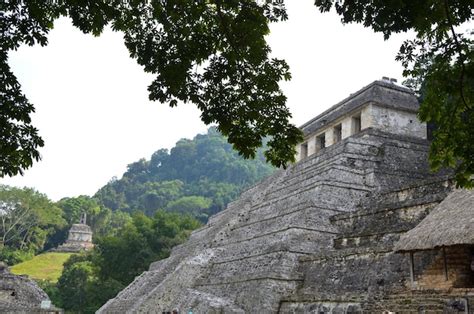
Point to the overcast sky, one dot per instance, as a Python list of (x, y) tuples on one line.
[(92, 106)]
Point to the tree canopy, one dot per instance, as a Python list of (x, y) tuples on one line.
[(197, 176), (214, 54), (29, 222)]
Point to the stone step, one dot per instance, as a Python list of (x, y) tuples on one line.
[(329, 255), (411, 304), (365, 227), (313, 166), (320, 171), (387, 239), (270, 202), (310, 184), (354, 222), (296, 239), (272, 220), (272, 265), (416, 301), (270, 212), (328, 194), (306, 217), (416, 309), (279, 215), (351, 147), (438, 185)]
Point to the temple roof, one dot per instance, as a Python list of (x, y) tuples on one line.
[(449, 223), (382, 92), (82, 228)]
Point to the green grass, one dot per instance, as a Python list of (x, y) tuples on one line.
[(47, 266)]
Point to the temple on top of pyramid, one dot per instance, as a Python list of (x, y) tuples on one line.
[(382, 105)]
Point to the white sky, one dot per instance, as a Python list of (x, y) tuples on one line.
[(92, 106)]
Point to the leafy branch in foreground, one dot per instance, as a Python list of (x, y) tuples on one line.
[(214, 54), (210, 53)]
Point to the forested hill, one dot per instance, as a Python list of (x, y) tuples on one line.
[(198, 176)]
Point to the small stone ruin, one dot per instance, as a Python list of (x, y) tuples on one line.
[(79, 238)]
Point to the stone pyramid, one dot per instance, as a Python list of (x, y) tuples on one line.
[(316, 237)]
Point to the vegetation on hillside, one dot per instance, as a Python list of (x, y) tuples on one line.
[(29, 223), (136, 220), (46, 266), (198, 176), (90, 279)]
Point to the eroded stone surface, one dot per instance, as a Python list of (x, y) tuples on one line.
[(19, 294), (250, 257), (316, 237), (79, 238)]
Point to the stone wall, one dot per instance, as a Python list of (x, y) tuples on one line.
[(361, 263), (371, 115), (396, 121)]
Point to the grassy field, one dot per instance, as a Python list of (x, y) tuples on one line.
[(47, 266)]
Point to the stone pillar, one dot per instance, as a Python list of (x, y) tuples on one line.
[(329, 136), (366, 117), (346, 127), (298, 152), (311, 145)]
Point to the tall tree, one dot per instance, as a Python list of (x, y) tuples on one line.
[(28, 218), (74, 207), (16, 222)]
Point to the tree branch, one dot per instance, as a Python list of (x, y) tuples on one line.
[(462, 57)]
